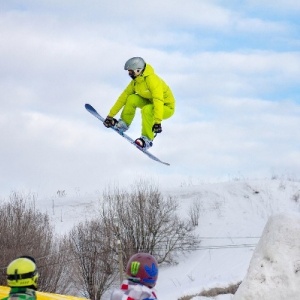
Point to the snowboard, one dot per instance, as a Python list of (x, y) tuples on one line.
[(93, 111)]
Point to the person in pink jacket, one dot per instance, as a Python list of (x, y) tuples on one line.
[(142, 273)]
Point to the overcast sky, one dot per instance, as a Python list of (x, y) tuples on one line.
[(233, 66)]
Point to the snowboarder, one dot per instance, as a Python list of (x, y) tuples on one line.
[(148, 92), (142, 272), (22, 276)]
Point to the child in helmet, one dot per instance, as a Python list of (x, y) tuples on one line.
[(142, 272), (22, 278), (148, 92)]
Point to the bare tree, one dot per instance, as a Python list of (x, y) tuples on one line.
[(194, 212), (26, 231), (56, 267), (143, 220), (96, 268)]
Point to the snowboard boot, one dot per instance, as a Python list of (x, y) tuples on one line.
[(143, 142), (121, 126)]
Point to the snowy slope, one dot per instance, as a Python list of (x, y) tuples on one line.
[(233, 216)]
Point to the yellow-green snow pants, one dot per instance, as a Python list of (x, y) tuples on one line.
[(135, 101)]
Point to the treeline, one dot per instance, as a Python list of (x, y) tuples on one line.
[(86, 261)]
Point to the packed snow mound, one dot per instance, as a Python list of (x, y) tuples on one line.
[(274, 271)]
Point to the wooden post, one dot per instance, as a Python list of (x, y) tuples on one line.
[(120, 260)]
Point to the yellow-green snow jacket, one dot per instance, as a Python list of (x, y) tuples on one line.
[(149, 86)]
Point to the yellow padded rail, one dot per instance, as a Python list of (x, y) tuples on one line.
[(4, 291)]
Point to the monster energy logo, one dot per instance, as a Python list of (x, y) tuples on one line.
[(135, 265)]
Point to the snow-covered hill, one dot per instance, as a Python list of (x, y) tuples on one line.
[(233, 216)]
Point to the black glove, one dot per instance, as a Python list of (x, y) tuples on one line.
[(157, 128), (109, 122)]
